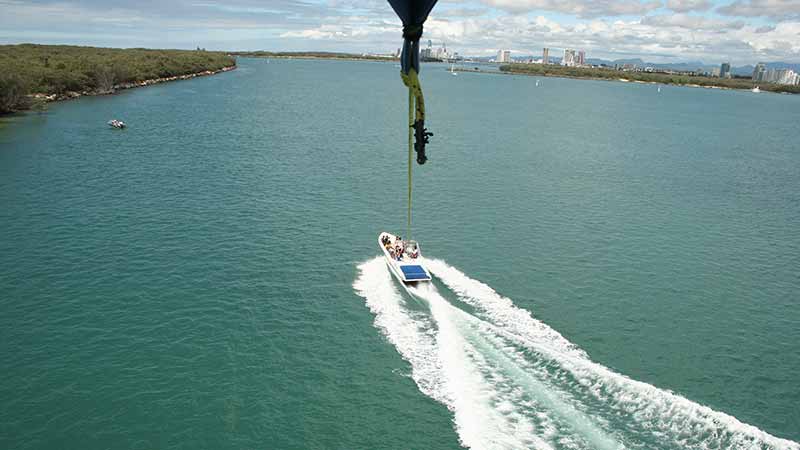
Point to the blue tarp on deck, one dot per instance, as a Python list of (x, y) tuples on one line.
[(414, 272)]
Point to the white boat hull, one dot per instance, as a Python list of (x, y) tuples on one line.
[(407, 269)]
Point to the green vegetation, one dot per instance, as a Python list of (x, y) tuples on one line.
[(29, 69), (323, 55), (649, 77)]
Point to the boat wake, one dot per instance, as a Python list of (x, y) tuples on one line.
[(513, 382)]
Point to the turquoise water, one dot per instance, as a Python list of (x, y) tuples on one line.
[(615, 268)]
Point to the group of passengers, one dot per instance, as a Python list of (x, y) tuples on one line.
[(396, 251)]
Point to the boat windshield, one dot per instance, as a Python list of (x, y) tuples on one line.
[(412, 249)]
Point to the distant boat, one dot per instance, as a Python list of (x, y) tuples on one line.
[(756, 90), (537, 83), (453, 70), (659, 89), (116, 123)]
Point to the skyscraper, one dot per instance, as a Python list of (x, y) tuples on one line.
[(785, 76), (503, 56), (546, 56), (581, 58), (759, 72), (725, 70), (569, 58)]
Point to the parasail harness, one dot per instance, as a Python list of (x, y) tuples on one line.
[(410, 74)]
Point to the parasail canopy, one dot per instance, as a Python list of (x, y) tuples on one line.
[(413, 13)]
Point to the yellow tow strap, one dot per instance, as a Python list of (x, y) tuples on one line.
[(410, 153), (414, 95)]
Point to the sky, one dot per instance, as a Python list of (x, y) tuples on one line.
[(662, 31)]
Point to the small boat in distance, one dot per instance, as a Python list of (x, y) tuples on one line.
[(403, 258), (756, 90), (117, 123), (453, 70)]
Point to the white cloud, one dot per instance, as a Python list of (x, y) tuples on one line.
[(662, 38), (689, 5), (580, 8), (775, 9), (603, 28), (689, 22)]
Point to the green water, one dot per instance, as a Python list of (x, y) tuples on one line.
[(207, 277)]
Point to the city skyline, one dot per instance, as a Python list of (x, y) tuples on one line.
[(742, 32)]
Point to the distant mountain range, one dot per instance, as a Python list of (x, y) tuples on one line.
[(684, 66)]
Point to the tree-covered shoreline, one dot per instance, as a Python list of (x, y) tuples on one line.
[(35, 73), (551, 70)]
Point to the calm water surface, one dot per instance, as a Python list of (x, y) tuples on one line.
[(207, 277)]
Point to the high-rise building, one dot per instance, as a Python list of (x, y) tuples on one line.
[(725, 70), (759, 72), (782, 76), (569, 58), (545, 55), (441, 52), (769, 76), (581, 58), (503, 56)]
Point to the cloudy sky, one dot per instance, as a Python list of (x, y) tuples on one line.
[(712, 31)]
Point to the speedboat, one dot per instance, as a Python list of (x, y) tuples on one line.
[(116, 123), (403, 258), (756, 89)]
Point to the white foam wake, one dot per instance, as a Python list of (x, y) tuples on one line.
[(536, 408), (644, 414), (411, 333), (446, 367)]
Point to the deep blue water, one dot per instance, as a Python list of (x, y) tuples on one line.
[(206, 277)]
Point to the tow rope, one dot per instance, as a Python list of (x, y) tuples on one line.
[(410, 153), (413, 14), (416, 128)]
